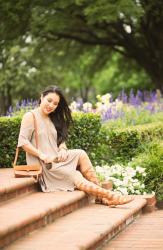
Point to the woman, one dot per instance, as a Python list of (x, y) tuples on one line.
[(53, 118)]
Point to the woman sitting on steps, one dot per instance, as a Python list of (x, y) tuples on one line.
[(53, 118)]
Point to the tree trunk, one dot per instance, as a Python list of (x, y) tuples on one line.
[(2, 104), (153, 68), (5, 99)]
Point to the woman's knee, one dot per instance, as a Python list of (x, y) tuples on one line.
[(77, 177), (83, 153)]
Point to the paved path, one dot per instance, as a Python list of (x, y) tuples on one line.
[(146, 233)]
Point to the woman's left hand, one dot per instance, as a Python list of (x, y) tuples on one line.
[(62, 155)]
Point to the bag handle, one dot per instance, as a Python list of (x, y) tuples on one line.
[(36, 138)]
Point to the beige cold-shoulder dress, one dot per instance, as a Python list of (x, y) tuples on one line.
[(61, 175)]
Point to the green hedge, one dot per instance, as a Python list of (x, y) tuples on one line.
[(83, 134), (152, 159), (9, 130), (120, 145)]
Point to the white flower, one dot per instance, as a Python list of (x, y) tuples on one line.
[(99, 106), (87, 106), (112, 179), (98, 97), (106, 98), (135, 180), (123, 177), (118, 182), (125, 182), (73, 106), (117, 168), (131, 190), (137, 192), (130, 172), (119, 104), (140, 169), (136, 184), (99, 170), (123, 190)]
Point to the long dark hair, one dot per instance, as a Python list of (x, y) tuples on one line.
[(61, 117)]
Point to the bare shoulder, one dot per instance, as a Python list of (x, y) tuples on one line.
[(27, 117)]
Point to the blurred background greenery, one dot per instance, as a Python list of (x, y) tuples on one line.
[(86, 47)]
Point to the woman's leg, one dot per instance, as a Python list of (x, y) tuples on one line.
[(89, 173), (87, 169), (110, 197)]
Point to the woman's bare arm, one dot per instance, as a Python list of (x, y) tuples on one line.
[(31, 149)]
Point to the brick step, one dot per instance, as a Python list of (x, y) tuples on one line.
[(144, 233), (11, 187), (25, 214), (86, 228)]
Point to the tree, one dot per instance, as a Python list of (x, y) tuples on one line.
[(76, 44), (25, 69), (132, 28)]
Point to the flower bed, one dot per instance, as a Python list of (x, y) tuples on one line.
[(126, 179)]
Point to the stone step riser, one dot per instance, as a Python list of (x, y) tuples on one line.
[(104, 239), (18, 192), (148, 208), (89, 228), (47, 219)]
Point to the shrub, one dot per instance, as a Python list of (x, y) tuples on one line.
[(9, 130), (123, 144), (85, 132), (152, 159)]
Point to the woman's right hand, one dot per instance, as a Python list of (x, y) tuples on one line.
[(45, 158)]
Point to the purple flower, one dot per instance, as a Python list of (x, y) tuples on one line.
[(123, 97), (150, 107), (24, 104), (112, 114)]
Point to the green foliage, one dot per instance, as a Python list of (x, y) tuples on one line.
[(117, 74), (122, 145), (101, 153), (118, 25), (98, 10), (15, 16), (17, 73), (9, 130), (151, 158), (85, 46), (83, 134)]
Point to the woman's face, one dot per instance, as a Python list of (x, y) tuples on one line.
[(49, 103)]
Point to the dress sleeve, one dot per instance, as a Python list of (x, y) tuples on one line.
[(26, 130)]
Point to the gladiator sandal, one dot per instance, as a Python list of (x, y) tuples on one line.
[(115, 202), (89, 173), (87, 169), (111, 199)]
